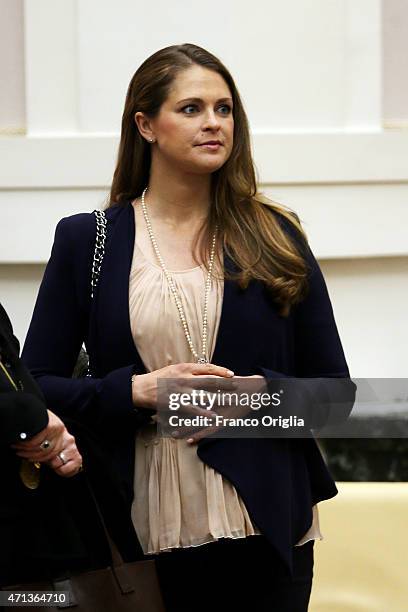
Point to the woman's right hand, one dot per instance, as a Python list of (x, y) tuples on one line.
[(58, 440), (52, 436), (144, 386)]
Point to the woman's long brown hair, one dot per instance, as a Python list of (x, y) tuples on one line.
[(263, 238)]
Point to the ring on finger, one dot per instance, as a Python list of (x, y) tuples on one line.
[(45, 444), (62, 457)]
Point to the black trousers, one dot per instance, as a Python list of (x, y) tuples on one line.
[(232, 575)]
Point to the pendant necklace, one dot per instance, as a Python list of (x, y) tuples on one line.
[(203, 357)]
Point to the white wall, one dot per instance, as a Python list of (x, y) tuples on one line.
[(18, 290), (298, 63), (12, 99), (369, 297), (312, 78), (395, 54)]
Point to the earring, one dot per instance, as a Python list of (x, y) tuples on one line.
[(151, 140)]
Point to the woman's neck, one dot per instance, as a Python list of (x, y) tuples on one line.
[(178, 200)]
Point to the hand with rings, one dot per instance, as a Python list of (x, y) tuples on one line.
[(46, 444), (54, 446), (68, 462)]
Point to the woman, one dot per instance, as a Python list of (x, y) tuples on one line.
[(201, 276), (38, 536)]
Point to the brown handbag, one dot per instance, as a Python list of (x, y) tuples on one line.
[(121, 587), (126, 587)]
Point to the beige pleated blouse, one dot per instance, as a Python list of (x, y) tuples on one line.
[(179, 501)]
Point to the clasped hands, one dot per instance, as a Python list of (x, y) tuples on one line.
[(184, 379), (230, 411), (53, 446)]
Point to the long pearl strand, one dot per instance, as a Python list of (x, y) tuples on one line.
[(203, 358)]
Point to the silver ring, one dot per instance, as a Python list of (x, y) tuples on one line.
[(62, 457), (45, 444)]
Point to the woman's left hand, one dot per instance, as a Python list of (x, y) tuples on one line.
[(69, 461), (193, 438)]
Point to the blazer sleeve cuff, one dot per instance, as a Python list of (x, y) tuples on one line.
[(115, 397), (116, 390)]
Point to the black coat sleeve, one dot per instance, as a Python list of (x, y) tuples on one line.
[(23, 414)]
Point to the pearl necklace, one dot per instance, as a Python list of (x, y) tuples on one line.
[(203, 358)]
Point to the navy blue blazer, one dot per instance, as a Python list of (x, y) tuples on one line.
[(278, 479)]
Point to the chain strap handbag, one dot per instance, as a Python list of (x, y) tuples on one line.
[(121, 587)]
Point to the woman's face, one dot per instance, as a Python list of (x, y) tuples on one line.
[(198, 110)]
